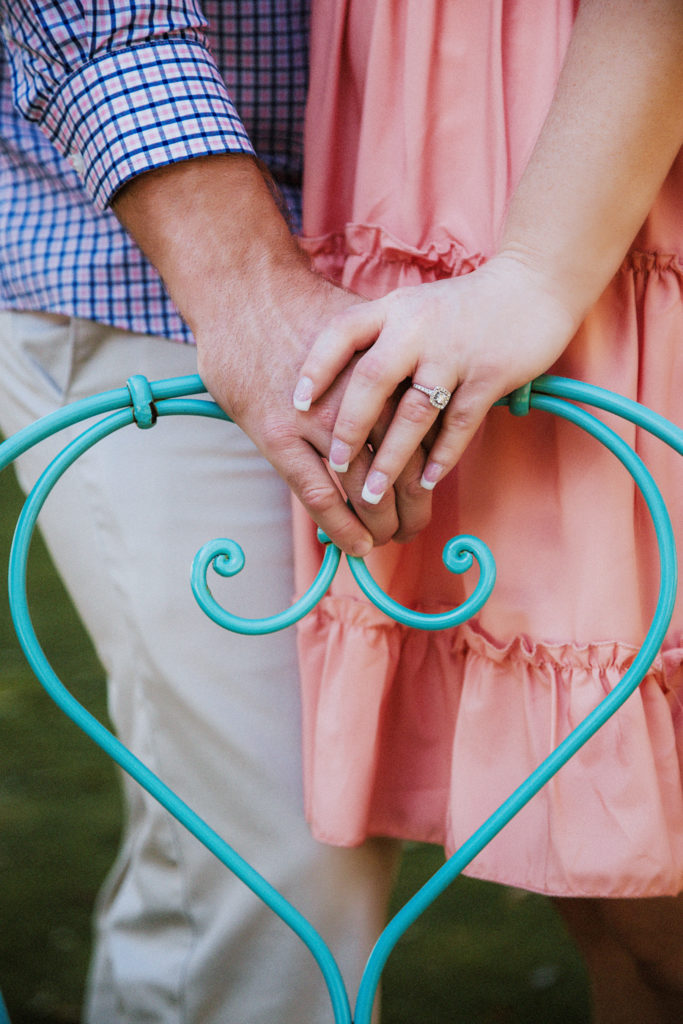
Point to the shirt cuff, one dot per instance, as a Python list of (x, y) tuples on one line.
[(142, 107)]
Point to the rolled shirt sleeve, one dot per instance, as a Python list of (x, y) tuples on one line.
[(120, 88)]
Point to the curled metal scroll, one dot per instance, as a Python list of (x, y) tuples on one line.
[(144, 404), (227, 559), (459, 555)]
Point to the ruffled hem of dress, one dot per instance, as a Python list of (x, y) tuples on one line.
[(391, 750), (469, 636)]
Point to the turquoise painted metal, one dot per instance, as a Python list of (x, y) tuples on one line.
[(143, 404)]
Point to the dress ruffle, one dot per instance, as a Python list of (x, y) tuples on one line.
[(422, 736), (365, 253), (370, 261)]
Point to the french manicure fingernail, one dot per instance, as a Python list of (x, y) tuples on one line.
[(303, 393), (339, 456), (375, 487), (430, 477)]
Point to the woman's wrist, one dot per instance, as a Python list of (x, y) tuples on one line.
[(559, 299)]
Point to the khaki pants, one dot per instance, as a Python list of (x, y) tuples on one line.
[(215, 715)]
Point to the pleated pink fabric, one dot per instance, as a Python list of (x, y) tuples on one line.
[(422, 115)]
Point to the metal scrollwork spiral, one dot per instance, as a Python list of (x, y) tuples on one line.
[(227, 559), (459, 554)]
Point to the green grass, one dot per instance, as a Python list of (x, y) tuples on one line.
[(482, 954), (59, 802)]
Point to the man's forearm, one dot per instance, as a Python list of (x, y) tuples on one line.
[(214, 232), (206, 225)]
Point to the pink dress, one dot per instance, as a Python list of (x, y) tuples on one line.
[(421, 118)]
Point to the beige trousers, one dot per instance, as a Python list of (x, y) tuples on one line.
[(215, 715)]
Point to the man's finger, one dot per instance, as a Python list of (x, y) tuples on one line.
[(307, 476)]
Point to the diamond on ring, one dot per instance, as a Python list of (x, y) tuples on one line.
[(438, 397)]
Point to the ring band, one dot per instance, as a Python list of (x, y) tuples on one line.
[(438, 397)]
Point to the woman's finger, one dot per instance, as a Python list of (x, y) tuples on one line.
[(350, 331), (467, 409), (456, 427), (381, 520), (374, 379), (414, 418)]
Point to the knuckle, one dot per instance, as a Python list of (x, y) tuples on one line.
[(399, 297), (410, 489), (415, 408), (465, 408), (347, 428), (319, 499), (342, 318), (370, 369), (276, 434), (343, 322), (346, 533), (459, 419)]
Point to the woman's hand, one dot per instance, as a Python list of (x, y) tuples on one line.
[(479, 336), (614, 128)]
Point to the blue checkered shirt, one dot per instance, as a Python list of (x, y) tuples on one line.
[(92, 95)]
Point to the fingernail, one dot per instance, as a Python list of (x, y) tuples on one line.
[(303, 393), (375, 487), (431, 475), (339, 456)]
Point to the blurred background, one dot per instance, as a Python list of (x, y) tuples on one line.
[(483, 954)]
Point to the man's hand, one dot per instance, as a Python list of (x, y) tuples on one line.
[(214, 232)]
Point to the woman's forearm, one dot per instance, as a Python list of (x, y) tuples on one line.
[(612, 133)]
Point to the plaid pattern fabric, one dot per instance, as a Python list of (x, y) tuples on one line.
[(91, 95)]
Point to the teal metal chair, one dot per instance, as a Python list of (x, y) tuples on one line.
[(144, 404)]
